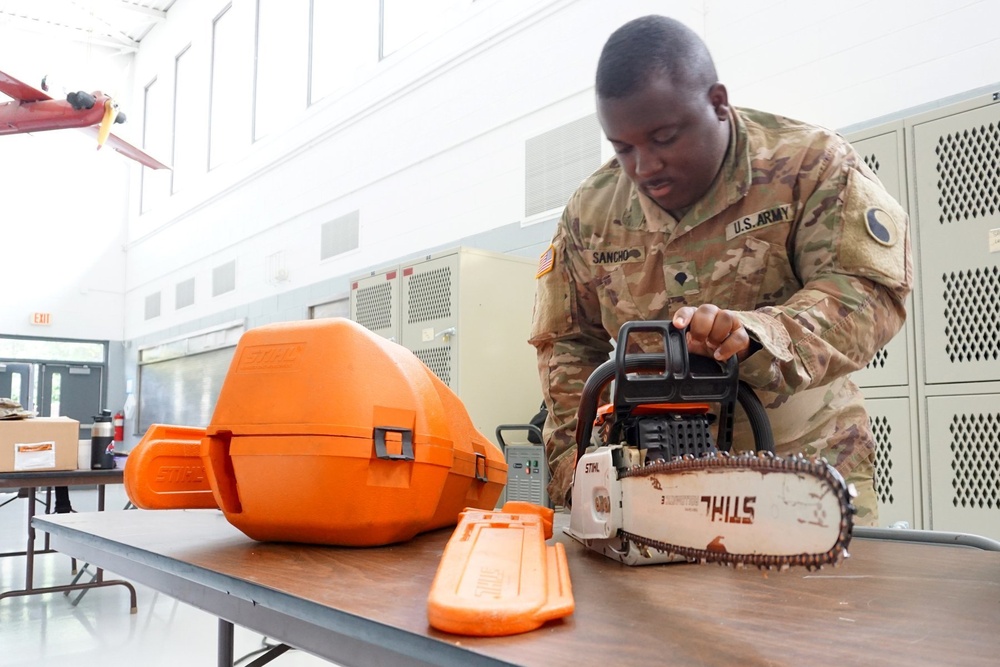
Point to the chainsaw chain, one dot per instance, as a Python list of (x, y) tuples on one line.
[(751, 461)]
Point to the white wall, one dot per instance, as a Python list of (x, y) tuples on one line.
[(429, 144), (63, 204)]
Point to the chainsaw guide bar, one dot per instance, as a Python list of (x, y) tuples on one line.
[(742, 510)]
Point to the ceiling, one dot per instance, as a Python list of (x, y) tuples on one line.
[(112, 23)]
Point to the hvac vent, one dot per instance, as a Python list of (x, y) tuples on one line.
[(184, 294), (340, 235), (967, 169), (224, 278), (883, 459), (373, 305), (430, 295), (872, 162), (438, 359), (153, 305), (975, 448), (556, 162), (972, 314)]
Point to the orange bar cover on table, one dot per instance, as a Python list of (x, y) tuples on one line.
[(165, 470), (498, 577)]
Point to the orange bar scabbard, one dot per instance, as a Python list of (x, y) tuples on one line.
[(498, 577), (165, 470)]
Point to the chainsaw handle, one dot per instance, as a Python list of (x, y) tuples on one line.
[(603, 374)]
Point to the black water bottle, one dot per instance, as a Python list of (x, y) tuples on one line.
[(102, 442)]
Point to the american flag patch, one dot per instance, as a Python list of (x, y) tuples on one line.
[(546, 262)]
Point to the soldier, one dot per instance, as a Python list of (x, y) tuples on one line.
[(768, 237)]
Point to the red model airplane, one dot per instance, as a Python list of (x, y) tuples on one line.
[(35, 111)]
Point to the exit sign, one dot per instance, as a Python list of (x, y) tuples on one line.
[(43, 319)]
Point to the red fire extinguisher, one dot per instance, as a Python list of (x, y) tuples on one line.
[(119, 423)]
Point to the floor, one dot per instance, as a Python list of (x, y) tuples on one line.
[(48, 630)]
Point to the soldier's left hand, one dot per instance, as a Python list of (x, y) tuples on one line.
[(713, 332)]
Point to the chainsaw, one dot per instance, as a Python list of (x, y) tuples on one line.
[(659, 487)]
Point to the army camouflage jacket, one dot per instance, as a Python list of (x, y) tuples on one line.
[(796, 234)]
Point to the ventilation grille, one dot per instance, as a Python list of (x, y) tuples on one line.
[(224, 278), (184, 294), (880, 360), (883, 459), (972, 314), (438, 359), (556, 162), (430, 295), (968, 170), (872, 162), (975, 448), (340, 235), (373, 306), (153, 305)]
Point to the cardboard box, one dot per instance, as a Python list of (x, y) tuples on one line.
[(38, 444)]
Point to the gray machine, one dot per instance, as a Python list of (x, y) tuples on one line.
[(527, 467)]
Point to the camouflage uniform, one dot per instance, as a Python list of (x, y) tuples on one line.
[(796, 235)]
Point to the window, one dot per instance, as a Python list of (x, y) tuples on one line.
[(281, 63), (187, 132), (229, 94), (344, 40), (156, 141)]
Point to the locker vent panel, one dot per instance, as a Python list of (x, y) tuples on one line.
[(438, 359), (972, 314), (430, 296), (975, 448), (883, 459), (872, 162), (556, 162), (880, 359), (374, 306), (968, 164)]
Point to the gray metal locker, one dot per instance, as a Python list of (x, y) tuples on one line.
[(375, 302), (884, 153), (897, 482), (957, 183), (964, 433)]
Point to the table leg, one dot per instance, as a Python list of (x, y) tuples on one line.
[(225, 643), (29, 571)]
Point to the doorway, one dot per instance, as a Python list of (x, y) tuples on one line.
[(55, 377)]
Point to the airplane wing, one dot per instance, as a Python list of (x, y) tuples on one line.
[(20, 90), (128, 150)]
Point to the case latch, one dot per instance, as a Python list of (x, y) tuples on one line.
[(383, 453)]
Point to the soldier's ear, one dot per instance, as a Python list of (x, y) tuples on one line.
[(718, 97)]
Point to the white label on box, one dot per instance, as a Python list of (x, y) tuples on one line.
[(34, 455), (427, 335), (995, 240)]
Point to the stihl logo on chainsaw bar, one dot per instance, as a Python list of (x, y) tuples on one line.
[(592, 467), (729, 509)]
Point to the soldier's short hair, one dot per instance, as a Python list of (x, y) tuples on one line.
[(648, 46)]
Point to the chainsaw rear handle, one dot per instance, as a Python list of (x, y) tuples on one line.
[(680, 378)]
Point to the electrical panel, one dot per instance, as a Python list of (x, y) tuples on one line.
[(527, 475), (466, 313)]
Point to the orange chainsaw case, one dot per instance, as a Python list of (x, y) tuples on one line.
[(324, 433)]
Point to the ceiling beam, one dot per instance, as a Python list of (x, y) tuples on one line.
[(156, 14), (72, 34)]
